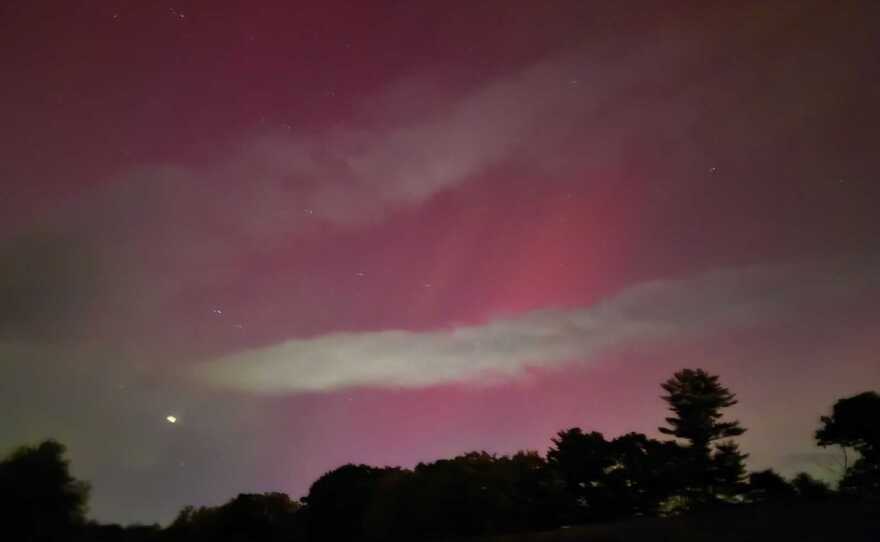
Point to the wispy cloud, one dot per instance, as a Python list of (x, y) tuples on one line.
[(679, 309), (277, 181), (168, 227)]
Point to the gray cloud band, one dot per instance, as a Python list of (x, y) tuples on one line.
[(503, 348)]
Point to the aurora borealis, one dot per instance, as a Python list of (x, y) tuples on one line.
[(386, 232)]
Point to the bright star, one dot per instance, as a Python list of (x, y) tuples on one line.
[(171, 419)]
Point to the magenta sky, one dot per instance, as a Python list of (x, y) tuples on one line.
[(388, 232)]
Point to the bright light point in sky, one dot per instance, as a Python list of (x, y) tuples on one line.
[(171, 419)]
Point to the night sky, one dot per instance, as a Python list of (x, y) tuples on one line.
[(388, 232)]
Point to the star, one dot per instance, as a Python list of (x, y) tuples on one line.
[(171, 419)]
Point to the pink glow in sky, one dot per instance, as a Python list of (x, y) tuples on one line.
[(386, 232)]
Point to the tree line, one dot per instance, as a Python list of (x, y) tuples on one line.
[(584, 477)]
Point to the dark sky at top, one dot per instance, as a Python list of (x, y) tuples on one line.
[(387, 232)]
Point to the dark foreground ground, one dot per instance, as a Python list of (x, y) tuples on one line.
[(830, 521)]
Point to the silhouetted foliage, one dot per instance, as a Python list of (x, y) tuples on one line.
[(537, 489), (338, 501), (697, 399), (581, 460), (94, 532), (728, 472), (810, 488), (267, 516), (472, 494), (855, 423), (630, 475), (479, 493), (861, 478), (643, 474), (39, 498), (768, 485), (585, 478)]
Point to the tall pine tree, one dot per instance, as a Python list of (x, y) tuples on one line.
[(697, 399)]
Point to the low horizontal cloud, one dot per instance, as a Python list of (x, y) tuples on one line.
[(503, 348)]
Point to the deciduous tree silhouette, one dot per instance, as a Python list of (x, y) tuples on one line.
[(473, 494), (581, 460), (266, 517), (855, 423), (768, 485), (337, 502), (468, 495), (810, 488), (630, 475), (585, 478), (697, 400), (96, 532), (644, 473), (537, 491), (39, 499)]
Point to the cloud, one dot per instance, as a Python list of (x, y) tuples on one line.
[(411, 140), (170, 228), (278, 181), (177, 220), (665, 309), (46, 281)]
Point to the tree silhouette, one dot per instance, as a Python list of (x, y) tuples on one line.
[(536, 489), (862, 478), (39, 498), (96, 532), (395, 511), (728, 470), (267, 516), (472, 494), (768, 485), (810, 488), (630, 475), (855, 423), (585, 478), (644, 473), (697, 399), (338, 501), (581, 459), (467, 495)]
